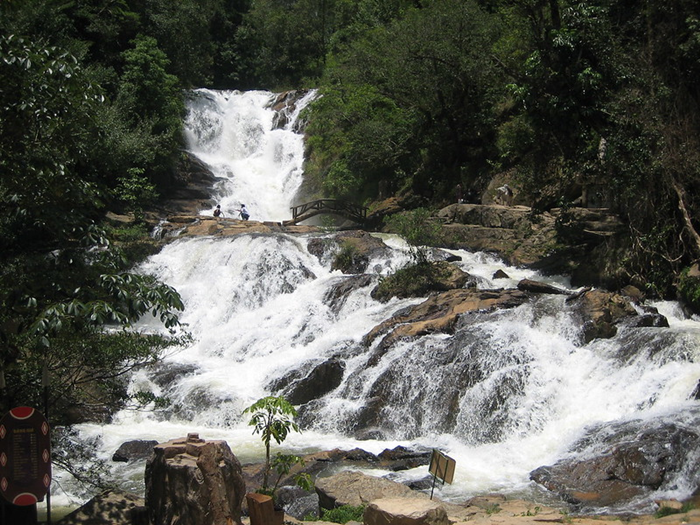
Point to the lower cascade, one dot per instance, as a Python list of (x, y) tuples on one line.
[(516, 394)]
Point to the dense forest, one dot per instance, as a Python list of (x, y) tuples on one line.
[(554, 96)]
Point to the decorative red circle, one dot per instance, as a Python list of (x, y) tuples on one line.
[(25, 499), (22, 412)]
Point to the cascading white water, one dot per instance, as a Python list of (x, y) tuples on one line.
[(257, 158), (506, 393)]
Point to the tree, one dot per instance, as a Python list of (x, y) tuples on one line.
[(61, 282), (273, 418), (408, 105)]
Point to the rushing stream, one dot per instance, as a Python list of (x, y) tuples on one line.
[(258, 308)]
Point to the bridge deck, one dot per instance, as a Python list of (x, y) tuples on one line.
[(307, 210)]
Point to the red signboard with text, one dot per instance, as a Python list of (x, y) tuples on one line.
[(25, 457)]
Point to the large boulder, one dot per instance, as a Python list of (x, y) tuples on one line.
[(111, 507), (600, 312), (134, 450), (403, 511), (439, 313), (323, 378), (622, 462), (190, 481), (356, 488)]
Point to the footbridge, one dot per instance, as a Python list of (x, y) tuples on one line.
[(351, 211)]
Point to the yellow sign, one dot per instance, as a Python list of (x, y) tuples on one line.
[(442, 466)]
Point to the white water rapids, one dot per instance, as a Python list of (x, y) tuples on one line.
[(258, 310)]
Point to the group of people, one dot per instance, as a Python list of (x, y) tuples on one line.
[(242, 211)]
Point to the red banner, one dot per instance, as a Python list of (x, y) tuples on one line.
[(25, 457)]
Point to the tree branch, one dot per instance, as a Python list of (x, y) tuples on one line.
[(686, 214)]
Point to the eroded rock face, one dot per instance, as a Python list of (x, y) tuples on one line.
[(355, 488), (600, 312), (111, 507), (625, 461), (402, 511), (134, 450), (190, 481), (440, 312)]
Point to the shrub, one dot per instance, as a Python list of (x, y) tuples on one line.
[(689, 290), (342, 514)]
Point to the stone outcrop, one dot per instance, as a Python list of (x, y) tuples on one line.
[(356, 488), (509, 232), (600, 313), (205, 225), (440, 312), (577, 241), (318, 464), (624, 461), (111, 507), (134, 450), (399, 511), (191, 481)]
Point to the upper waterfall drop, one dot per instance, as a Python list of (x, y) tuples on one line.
[(254, 148)]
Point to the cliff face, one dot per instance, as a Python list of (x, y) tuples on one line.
[(579, 242)]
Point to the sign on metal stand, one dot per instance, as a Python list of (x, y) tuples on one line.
[(25, 457), (442, 467)]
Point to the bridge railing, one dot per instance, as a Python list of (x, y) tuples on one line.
[(347, 209)]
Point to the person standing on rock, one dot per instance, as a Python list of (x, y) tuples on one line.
[(506, 195), (244, 212), (218, 212)]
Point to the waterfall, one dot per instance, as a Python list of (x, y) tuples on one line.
[(256, 155), (507, 392)]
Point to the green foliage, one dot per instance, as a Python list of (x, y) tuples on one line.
[(414, 280), (406, 102), (347, 259), (669, 511), (689, 290), (419, 231), (135, 192), (342, 514), (273, 418)]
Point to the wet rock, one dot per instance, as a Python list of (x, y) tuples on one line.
[(402, 458), (649, 320), (165, 373), (338, 293), (500, 274), (440, 312), (600, 312), (322, 379), (134, 450), (284, 105), (623, 461), (528, 285)]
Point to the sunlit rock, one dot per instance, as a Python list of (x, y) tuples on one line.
[(191, 481)]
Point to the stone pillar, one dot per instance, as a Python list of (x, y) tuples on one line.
[(262, 510), (190, 481)]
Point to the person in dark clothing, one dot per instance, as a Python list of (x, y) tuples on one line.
[(218, 212)]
